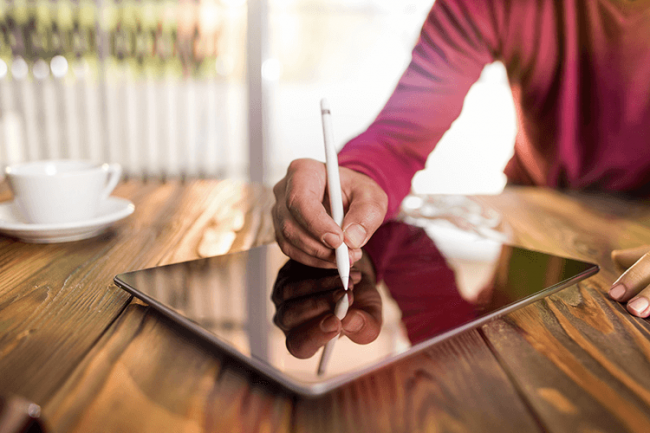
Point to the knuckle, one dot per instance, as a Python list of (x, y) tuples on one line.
[(284, 293), (380, 204), (286, 229), (298, 164), (275, 213), (294, 201), (319, 253), (279, 218), (286, 248), (278, 189), (314, 304), (293, 166), (282, 318), (276, 320), (277, 301), (278, 293), (375, 214), (282, 243)]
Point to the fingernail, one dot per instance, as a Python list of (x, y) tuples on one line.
[(356, 234), (355, 324), (638, 305), (329, 324), (617, 292), (331, 240)]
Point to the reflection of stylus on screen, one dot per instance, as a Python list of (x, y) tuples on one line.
[(336, 204)]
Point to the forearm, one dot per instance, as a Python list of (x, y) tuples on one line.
[(446, 61)]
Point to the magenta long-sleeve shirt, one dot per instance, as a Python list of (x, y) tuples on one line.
[(580, 77)]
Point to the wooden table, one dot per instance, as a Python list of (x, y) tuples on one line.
[(96, 360)]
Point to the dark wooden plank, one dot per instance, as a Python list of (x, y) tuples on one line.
[(582, 362), (455, 386)]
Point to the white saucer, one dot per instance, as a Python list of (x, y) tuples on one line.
[(13, 224)]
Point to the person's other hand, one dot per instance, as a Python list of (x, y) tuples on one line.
[(305, 297), (633, 286), (303, 227)]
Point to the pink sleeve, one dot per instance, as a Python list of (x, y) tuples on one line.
[(457, 40)]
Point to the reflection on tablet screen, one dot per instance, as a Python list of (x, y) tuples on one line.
[(408, 292)]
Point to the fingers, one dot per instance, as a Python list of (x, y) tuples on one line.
[(361, 327), (639, 304), (367, 205), (632, 286), (304, 341), (363, 322), (285, 291), (303, 257), (296, 280), (306, 183), (309, 324), (295, 313), (296, 242), (627, 257), (303, 228)]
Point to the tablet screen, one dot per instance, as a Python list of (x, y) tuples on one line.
[(410, 290)]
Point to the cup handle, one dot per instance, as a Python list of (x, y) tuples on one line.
[(114, 172)]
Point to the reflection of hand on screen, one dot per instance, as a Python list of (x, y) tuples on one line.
[(304, 298)]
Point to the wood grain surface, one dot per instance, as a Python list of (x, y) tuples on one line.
[(146, 375), (98, 361), (581, 361), (454, 386), (57, 300)]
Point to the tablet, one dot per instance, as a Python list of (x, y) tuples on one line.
[(412, 289)]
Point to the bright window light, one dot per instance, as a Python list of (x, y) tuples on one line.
[(271, 69), (59, 66)]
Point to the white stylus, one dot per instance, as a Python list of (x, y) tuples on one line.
[(336, 204)]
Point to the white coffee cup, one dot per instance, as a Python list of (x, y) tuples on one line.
[(61, 191)]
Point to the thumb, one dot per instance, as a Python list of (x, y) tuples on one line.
[(366, 211)]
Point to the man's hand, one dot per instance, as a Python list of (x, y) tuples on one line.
[(303, 227), (633, 286), (304, 298)]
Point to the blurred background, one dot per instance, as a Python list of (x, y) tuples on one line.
[(225, 88)]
